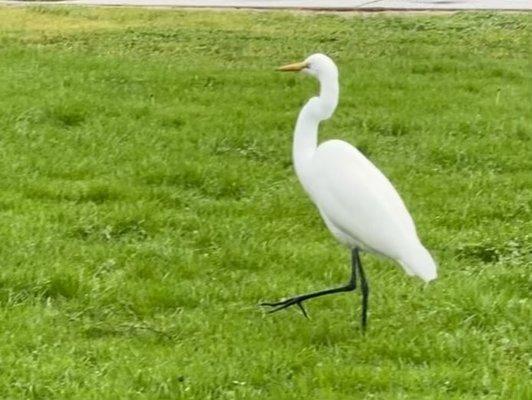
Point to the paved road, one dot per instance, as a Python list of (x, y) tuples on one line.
[(316, 4)]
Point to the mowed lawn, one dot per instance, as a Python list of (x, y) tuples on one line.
[(148, 204)]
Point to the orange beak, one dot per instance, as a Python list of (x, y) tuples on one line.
[(293, 67)]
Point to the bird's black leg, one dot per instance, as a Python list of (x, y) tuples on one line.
[(364, 288), (300, 299)]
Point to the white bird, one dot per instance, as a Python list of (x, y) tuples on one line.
[(357, 202)]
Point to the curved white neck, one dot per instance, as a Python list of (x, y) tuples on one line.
[(316, 110)]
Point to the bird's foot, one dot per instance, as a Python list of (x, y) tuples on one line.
[(285, 304)]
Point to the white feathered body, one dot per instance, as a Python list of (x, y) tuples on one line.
[(361, 207), (357, 202)]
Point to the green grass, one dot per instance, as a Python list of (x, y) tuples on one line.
[(148, 204)]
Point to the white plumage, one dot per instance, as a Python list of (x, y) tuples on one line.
[(358, 203), (362, 208)]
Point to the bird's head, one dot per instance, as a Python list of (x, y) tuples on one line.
[(317, 65), (325, 71)]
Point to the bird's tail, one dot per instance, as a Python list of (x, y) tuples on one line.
[(420, 263)]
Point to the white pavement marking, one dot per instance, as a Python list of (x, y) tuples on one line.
[(309, 4)]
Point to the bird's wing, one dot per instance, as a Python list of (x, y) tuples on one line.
[(360, 201)]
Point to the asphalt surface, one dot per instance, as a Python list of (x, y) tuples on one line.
[(345, 5)]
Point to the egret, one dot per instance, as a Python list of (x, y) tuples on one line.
[(357, 203)]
